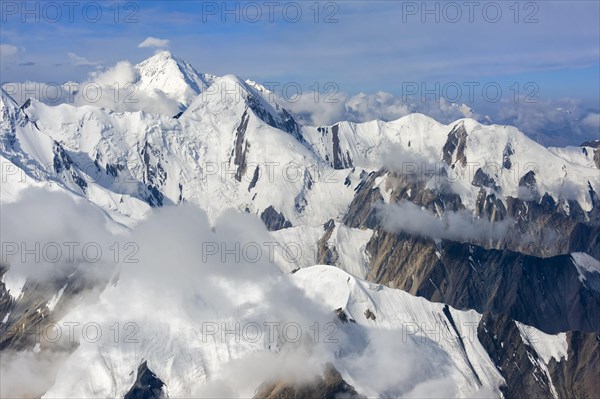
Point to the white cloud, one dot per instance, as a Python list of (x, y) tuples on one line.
[(457, 226), (122, 73), (364, 107), (116, 89), (174, 288), (592, 120), (380, 105), (556, 122), (28, 374), (8, 50), (154, 42), (81, 61)]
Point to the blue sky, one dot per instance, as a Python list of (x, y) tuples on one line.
[(363, 46)]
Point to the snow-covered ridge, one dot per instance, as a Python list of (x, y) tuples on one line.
[(174, 77), (162, 84), (235, 148), (411, 141), (546, 347), (441, 343), (415, 144), (362, 329)]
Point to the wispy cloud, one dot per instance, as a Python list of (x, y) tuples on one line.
[(8, 50), (457, 226), (153, 42), (592, 120), (78, 60)]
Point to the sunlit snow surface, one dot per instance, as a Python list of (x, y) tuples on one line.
[(409, 335), (164, 309)]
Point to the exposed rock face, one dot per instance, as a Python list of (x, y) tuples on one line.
[(577, 377), (526, 374), (508, 151), (255, 178), (490, 207), (147, 385), (596, 146), (370, 315), (340, 160), (154, 177), (327, 255), (362, 212), (329, 386), (528, 181), (542, 292), (482, 179), (285, 121), (544, 229), (63, 164), (274, 220), (527, 275), (518, 363), (538, 226), (300, 201), (454, 149), (241, 147), (29, 314)]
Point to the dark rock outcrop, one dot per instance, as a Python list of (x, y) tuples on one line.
[(516, 361), (538, 226), (241, 146), (595, 144), (147, 385), (526, 374), (282, 120), (329, 386), (454, 149), (579, 375), (154, 177), (63, 164), (255, 177), (340, 160), (327, 255), (274, 220), (482, 179), (542, 292), (506, 154)]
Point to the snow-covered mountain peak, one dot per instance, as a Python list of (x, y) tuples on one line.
[(177, 78), (381, 208), (231, 94)]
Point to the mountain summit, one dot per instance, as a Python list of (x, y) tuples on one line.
[(480, 241), (176, 78)]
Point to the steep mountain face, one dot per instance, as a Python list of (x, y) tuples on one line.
[(540, 365), (577, 376), (558, 227), (146, 386), (497, 275), (174, 77), (446, 244), (544, 292)]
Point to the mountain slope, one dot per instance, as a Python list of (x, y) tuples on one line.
[(176, 78), (476, 231)]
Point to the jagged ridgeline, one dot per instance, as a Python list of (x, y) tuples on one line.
[(469, 252)]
